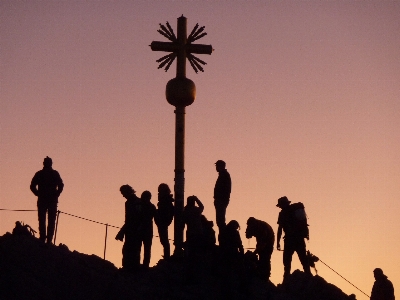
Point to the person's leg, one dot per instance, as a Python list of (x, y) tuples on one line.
[(287, 258), (147, 241), (42, 209), (131, 252), (264, 263), (51, 215), (220, 211), (163, 234), (302, 254), (127, 257)]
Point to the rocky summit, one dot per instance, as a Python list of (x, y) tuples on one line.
[(32, 270)]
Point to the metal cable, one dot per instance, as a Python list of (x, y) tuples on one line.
[(344, 278)]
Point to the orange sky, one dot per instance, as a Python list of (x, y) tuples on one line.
[(300, 98)]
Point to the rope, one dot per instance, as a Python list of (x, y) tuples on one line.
[(88, 220), (18, 209), (344, 278), (5, 209)]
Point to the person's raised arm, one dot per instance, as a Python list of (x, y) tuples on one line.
[(201, 206)]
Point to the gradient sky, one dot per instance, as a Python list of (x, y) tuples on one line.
[(300, 98)]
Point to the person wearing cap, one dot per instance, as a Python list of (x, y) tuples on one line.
[(293, 240), (383, 287), (131, 230), (47, 185), (222, 193)]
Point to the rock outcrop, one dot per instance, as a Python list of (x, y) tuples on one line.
[(32, 270)]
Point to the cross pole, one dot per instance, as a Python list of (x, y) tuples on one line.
[(180, 92)]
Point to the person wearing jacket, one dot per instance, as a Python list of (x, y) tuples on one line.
[(47, 185), (131, 230), (222, 193), (383, 287)]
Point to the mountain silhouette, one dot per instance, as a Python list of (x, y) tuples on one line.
[(30, 269)]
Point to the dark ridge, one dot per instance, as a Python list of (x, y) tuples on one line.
[(30, 269)]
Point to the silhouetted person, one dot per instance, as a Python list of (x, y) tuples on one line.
[(194, 227), (148, 211), (194, 239), (230, 243), (47, 185), (231, 259), (222, 192), (131, 230), (383, 287), (265, 238), (164, 216), (294, 237), (209, 239)]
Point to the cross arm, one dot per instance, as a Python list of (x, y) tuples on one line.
[(199, 49), (164, 46)]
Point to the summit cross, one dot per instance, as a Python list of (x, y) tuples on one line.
[(181, 47)]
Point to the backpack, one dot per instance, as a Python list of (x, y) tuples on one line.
[(23, 229), (299, 219)]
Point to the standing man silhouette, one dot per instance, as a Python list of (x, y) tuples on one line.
[(222, 193), (294, 237), (131, 230), (148, 211), (47, 185)]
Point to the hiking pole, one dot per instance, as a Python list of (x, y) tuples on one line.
[(55, 234), (105, 243)]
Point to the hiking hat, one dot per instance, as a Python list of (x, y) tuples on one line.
[(282, 200)]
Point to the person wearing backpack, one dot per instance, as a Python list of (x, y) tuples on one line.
[(293, 222)]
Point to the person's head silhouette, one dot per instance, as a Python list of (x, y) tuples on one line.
[(47, 162), (220, 165), (126, 190), (146, 196)]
